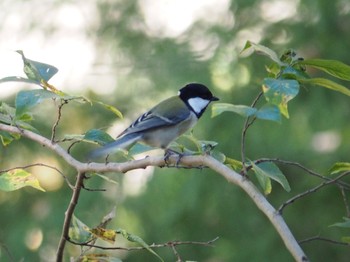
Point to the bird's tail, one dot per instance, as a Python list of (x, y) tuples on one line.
[(120, 143)]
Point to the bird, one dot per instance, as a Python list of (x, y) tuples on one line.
[(165, 122)]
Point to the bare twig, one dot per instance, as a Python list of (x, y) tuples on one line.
[(168, 244), (7, 251), (346, 202), (177, 255), (249, 121), (59, 115), (43, 165), (310, 191), (310, 239), (191, 161)]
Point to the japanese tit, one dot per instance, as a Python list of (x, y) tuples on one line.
[(164, 122)]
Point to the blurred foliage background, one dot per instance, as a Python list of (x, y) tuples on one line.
[(133, 54)]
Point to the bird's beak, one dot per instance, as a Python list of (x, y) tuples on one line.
[(214, 98)]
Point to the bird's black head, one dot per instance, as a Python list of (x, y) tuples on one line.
[(194, 90), (197, 97)]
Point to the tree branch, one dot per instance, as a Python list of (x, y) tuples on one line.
[(168, 244), (191, 161), (68, 216)]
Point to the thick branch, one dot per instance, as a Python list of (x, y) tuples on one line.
[(191, 161)]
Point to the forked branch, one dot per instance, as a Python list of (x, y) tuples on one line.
[(189, 161)]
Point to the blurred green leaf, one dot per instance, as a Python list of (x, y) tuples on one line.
[(279, 92), (18, 178), (339, 167), (269, 112), (7, 138), (251, 47), (78, 231), (346, 239), (18, 79), (207, 146), (290, 72), (345, 224), (111, 108), (138, 240), (218, 156), (332, 67), (27, 99), (98, 136), (139, 148), (98, 258), (242, 110), (269, 169), (233, 163), (326, 83)]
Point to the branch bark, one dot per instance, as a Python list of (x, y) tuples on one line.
[(189, 161)]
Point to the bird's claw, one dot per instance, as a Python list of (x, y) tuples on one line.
[(168, 154)]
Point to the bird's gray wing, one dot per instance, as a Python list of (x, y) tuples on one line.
[(171, 115)]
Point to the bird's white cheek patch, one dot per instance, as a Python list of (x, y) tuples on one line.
[(198, 104)]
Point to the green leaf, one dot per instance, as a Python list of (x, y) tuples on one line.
[(111, 108), (18, 79), (326, 83), (251, 47), (265, 183), (290, 72), (332, 67), (29, 98), (346, 239), (139, 148), (218, 156), (269, 112), (7, 116), (18, 178), (37, 71), (98, 136), (98, 258), (279, 92), (78, 231), (339, 167), (233, 163), (7, 138), (207, 146), (137, 239), (345, 224), (269, 169), (242, 110)]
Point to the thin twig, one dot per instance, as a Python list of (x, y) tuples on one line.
[(177, 255), (248, 122), (68, 216), (7, 251), (168, 244), (346, 202), (308, 171), (59, 115), (310, 191), (310, 239), (43, 165)]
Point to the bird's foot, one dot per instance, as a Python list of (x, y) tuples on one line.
[(168, 153)]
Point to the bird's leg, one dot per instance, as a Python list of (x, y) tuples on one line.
[(168, 152)]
